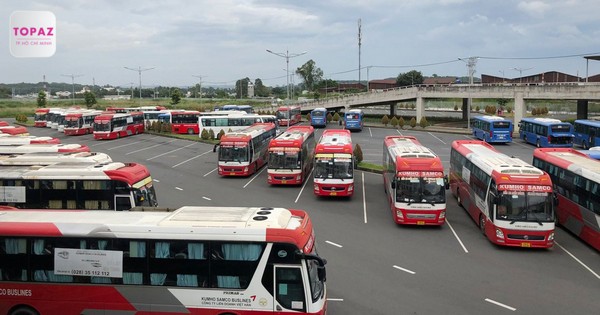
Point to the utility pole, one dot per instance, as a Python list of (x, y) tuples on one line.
[(521, 72), (199, 86), (139, 70), (73, 76), (471, 63), (287, 57), (359, 44)]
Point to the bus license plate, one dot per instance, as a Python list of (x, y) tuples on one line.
[(232, 173), (525, 244), (283, 181), (420, 222), (333, 193)]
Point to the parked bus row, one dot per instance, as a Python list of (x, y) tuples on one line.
[(352, 119)]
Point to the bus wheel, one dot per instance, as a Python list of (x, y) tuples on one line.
[(458, 198), (537, 144), (118, 135), (482, 224), (584, 145), (190, 131), (24, 310)]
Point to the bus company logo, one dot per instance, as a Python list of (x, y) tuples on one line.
[(63, 254), (32, 34)]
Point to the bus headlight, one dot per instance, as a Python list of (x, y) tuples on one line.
[(551, 236), (245, 169), (350, 188), (316, 187), (499, 233), (442, 214), (399, 214), (299, 177)]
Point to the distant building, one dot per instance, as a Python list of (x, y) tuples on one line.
[(382, 84), (439, 80), (539, 78), (250, 90)]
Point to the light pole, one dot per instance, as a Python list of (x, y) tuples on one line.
[(200, 86), (131, 83), (521, 72), (73, 76), (139, 70), (287, 57), (471, 63), (502, 72)]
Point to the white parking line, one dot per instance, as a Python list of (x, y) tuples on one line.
[(456, 236), (150, 147), (364, 197), (431, 134), (154, 157), (334, 244), (206, 198), (156, 180), (398, 131), (250, 181), (370, 132), (195, 157), (178, 188), (305, 182), (577, 260), (123, 145), (209, 172), (335, 300), (501, 305), (404, 269)]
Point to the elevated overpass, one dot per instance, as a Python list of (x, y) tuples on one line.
[(581, 92)]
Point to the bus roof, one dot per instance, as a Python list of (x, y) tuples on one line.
[(544, 121), (6, 139), (488, 159), (589, 122), (335, 141), (128, 172), (319, 109), (30, 148), (47, 158), (572, 160), (407, 147), (355, 110), (247, 133), (293, 135), (491, 118), (189, 222)]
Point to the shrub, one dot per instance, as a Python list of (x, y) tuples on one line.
[(220, 134), (413, 122), (358, 154), (336, 117), (308, 117), (204, 135), (211, 134), (394, 122), (329, 117), (385, 120), (423, 123), (401, 122), (455, 107)]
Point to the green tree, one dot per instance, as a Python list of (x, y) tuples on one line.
[(385, 120), (90, 99), (308, 117), (413, 122), (326, 84), (358, 154), (336, 116), (455, 107), (175, 96), (394, 122), (423, 123), (310, 74), (401, 122), (220, 134), (329, 117), (260, 89), (409, 78), (204, 135), (211, 134), (42, 99)]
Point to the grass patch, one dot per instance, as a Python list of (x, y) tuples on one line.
[(376, 168)]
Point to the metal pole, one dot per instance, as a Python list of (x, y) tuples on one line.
[(139, 70), (287, 57), (73, 76)]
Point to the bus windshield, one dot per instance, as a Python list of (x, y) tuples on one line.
[(525, 206), (335, 168), (102, 126), (73, 123), (283, 115), (233, 153), (318, 114), (420, 190), (285, 159)]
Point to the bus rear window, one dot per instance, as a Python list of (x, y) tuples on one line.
[(561, 128), (501, 125)]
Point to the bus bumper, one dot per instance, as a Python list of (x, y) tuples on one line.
[(284, 179), (333, 190), (423, 217)]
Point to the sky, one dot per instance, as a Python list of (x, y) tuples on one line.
[(218, 42)]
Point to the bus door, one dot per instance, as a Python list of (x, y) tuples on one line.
[(289, 289), (123, 202)]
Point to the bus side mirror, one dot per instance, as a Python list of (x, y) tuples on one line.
[(555, 199), (321, 273), (446, 182), (393, 184), (215, 148)]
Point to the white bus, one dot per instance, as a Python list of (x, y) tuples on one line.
[(194, 260), (229, 123), (47, 158)]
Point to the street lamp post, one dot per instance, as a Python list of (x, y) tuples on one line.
[(521, 72), (139, 70), (72, 76), (471, 63), (287, 57), (200, 86)]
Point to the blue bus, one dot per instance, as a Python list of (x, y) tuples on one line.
[(492, 129), (546, 132), (318, 117), (353, 119), (593, 152), (587, 133)]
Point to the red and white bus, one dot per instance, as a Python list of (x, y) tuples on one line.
[(116, 125), (47, 158), (14, 130), (576, 180), (288, 115), (76, 185), (185, 122), (188, 264), (243, 152), (14, 140), (33, 148), (511, 200), (334, 164), (40, 116), (291, 156), (4, 123), (81, 123), (413, 178)]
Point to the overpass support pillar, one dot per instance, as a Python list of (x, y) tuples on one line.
[(520, 109), (582, 109), (465, 105), (392, 110), (420, 106)]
